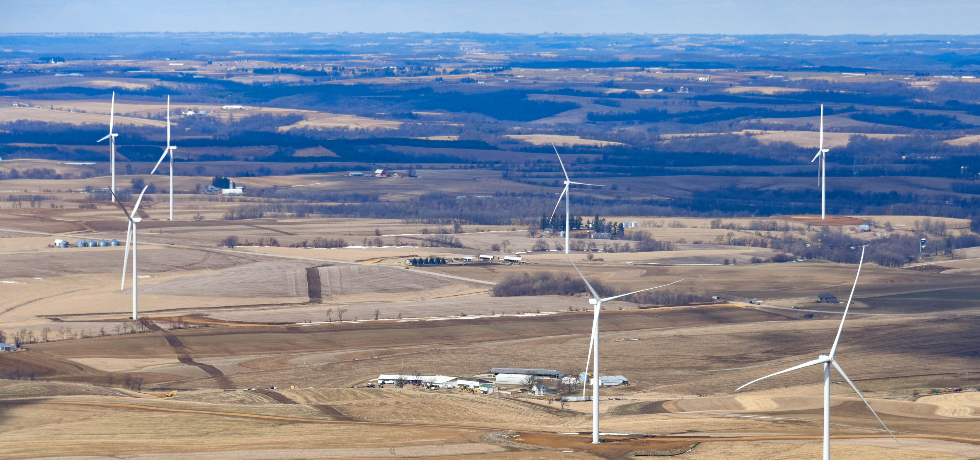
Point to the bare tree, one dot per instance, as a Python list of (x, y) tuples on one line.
[(3, 336), (504, 244), (330, 315), (340, 314), (528, 382), (45, 333), (377, 312), (230, 241)]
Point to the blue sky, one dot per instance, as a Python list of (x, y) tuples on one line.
[(815, 17)]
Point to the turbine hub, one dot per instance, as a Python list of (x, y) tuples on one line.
[(592, 301)]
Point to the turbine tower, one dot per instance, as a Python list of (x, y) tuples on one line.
[(597, 301), (131, 231), (822, 170), (112, 147), (828, 361), (565, 194), (168, 150)]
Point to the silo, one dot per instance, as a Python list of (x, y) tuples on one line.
[(81, 244), (103, 243), (114, 242), (62, 244), (93, 244)]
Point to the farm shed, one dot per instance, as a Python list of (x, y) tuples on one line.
[(513, 378), (605, 380), (465, 383), (541, 389), (388, 379), (547, 373), (7, 347)]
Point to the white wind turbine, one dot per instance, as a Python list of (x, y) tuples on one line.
[(597, 301), (822, 170), (112, 146), (565, 194), (168, 150), (827, 361), (131, 231)]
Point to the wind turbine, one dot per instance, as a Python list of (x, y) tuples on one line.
[(168, 150), (131, 230), (565, 194), (827, 361), (822, 170), (112, 147), (597, 300)]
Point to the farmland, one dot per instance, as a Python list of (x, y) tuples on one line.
[(382, 192)]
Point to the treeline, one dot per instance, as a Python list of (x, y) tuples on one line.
[(548, 283), (908, 119), (707, 116)]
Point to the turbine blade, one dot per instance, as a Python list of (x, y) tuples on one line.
[(168, 121), (129, 230), (563, 191), (816, 156), (121, 205), (594, 294), (641, 290), (137, 205), (583, 183), (821, 127), (160, 160), (559, 161), (848, 306), (112, 111), (849, 382), (106, 137), (820, 360)]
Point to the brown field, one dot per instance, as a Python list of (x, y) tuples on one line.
[(316, 120), (965, 140), (809, 139), (225, 319)]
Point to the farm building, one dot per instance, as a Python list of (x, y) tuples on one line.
[(541, 389), (513, 378), (543, 373), (486, 258), (827, 298), (605, 380), (465, 382), (514, 259), (355, 174), (7, 347), (390, 379), (380, 173)]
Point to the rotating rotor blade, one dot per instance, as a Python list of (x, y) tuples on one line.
[(138, 200), (165, 151), (816, 156), (589, 359), (833, 349), (106, 137), (129, 231), (560, 162), (849, 382), (641, 290), (820, 360), (563, 191)]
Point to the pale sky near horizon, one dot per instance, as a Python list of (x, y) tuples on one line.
[(813, 17)]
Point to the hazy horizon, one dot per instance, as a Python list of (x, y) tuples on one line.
[(727, 17)]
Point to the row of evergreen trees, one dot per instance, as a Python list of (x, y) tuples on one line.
[(428, 261)]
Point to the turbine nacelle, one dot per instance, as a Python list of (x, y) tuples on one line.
[(137, 219), (593, 301)]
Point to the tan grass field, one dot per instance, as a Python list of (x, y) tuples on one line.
[(965, 140), (10, 114), (546, 139), (330, 121), (810, 139), (768, 90)]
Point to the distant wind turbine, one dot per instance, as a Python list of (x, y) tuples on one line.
[(168, 150), (822, 170), (112, 147), (827, 361), (131, 231), (597, 301), (565, 194)]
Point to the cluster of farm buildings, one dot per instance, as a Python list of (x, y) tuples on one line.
[(536, 380)]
